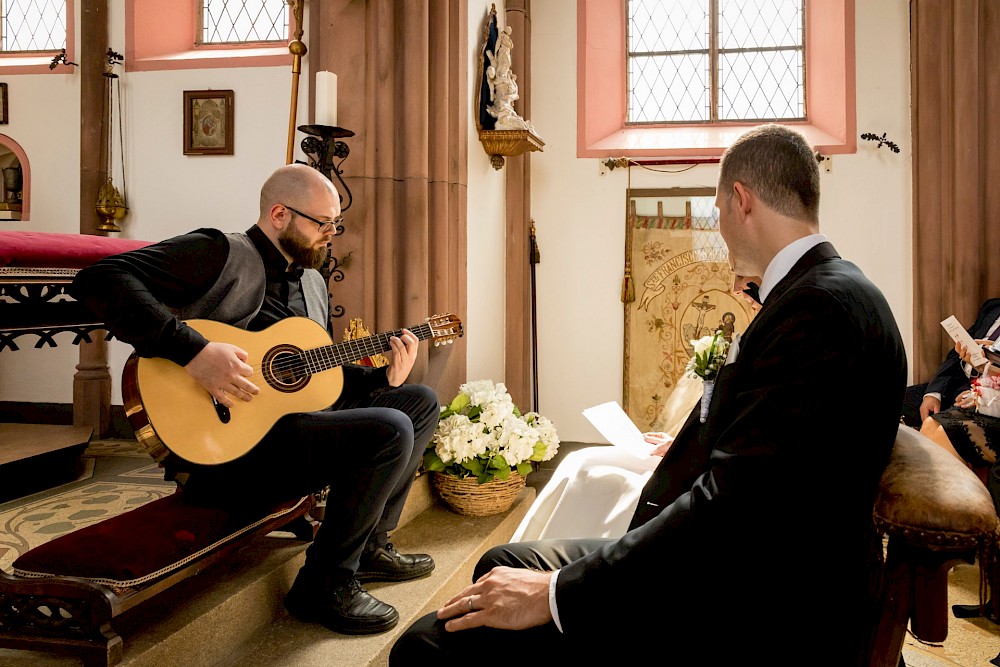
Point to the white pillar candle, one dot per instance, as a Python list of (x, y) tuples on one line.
[(326, 99)]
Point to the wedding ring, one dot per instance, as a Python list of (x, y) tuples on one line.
[(471, 608)]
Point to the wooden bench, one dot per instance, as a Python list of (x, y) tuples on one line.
[(63, 596)]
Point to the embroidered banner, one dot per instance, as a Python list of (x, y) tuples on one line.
[(683, 291)]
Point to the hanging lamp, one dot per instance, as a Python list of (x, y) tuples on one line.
[(112, 205)]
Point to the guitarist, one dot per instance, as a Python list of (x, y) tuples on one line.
[(366, 446)]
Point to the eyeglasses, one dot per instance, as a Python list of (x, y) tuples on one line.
[(336, 222)]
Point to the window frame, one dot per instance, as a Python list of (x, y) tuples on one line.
[(602, 130), (262, 43), (37, 62), (714, 52), (163, 36)]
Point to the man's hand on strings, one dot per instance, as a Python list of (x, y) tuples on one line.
[(404, 355), (222, 370)]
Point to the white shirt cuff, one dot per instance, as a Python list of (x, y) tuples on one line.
[(552, 600), (933, 394)]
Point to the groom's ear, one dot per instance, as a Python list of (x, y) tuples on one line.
[(743, 198)]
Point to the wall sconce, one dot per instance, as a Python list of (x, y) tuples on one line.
[(326, 153)]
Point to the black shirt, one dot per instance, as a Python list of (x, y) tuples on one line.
[(283, 292)]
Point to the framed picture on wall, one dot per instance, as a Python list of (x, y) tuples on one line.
[(3, 104), (208, 122)]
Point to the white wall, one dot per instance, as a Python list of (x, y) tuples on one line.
[(484, 317), (579, 213)]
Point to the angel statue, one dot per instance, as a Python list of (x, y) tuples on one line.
[(503, 86)]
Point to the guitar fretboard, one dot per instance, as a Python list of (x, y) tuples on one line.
[(326, 357)]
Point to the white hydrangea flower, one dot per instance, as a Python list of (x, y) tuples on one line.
[(517, 440), (495, 430), (452, 438), (546, 433), (482, 392), (497, 411)]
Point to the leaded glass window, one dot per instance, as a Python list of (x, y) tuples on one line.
[(32, 25), (242, 21), (707, 61)]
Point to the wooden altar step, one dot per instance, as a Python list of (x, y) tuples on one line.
[(34, 457), (233, 615)]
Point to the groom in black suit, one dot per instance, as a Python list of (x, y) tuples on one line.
[(754, 535)]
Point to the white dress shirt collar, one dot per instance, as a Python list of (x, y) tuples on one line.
[(785, 260)]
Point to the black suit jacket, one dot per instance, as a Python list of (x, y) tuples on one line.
[(950, 379), (755, 531)]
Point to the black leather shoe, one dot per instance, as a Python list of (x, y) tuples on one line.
[(387, 564), (348, 608)]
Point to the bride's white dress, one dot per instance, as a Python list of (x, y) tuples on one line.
[(593, 491)]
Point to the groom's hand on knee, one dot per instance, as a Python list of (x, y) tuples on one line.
[(506, 598)]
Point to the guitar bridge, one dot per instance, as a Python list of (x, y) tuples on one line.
[(222, 411)]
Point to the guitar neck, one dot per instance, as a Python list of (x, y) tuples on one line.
[(326, 357)]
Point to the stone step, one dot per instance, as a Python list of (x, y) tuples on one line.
[(455, 541), (233, 614)]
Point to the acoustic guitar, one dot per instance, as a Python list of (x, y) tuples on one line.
[(167, 407)]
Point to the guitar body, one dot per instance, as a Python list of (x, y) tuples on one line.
[(163, 402)]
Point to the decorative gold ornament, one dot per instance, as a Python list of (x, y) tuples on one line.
[(110, 207)]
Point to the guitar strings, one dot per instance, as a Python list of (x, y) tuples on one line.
[(297, 361)]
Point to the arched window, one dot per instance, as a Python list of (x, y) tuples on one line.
[(16, 185)]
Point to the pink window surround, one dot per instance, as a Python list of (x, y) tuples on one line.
[(22, 157), (38, 63), (602, 96), (161, 36)]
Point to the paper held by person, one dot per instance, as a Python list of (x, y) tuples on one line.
[(615, 425), (960, 335)]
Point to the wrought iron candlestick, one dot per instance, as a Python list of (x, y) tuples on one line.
[(326, 153)]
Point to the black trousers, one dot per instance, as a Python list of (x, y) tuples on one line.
[(426, 642), (367, 452)]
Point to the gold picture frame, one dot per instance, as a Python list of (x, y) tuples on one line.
[(208, 122), (3, 104)]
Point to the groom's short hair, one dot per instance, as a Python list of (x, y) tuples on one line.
[(779, 166)]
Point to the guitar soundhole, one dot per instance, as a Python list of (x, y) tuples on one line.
[(285, 368)]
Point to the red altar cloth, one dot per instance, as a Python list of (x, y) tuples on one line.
[(63, 251)]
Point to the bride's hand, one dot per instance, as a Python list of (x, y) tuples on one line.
[(660, 439)]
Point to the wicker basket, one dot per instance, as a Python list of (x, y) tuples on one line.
[(466, 496)]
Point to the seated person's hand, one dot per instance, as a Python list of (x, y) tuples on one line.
[(660, 439), (931, 405), (967, 399), (404, 354), (222, 370), (966, 355)]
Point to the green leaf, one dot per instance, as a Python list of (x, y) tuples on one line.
[(433, 462), (524, 468), (500, 463), (538, 451), (503, 473), (475, 466), (459, 403)]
